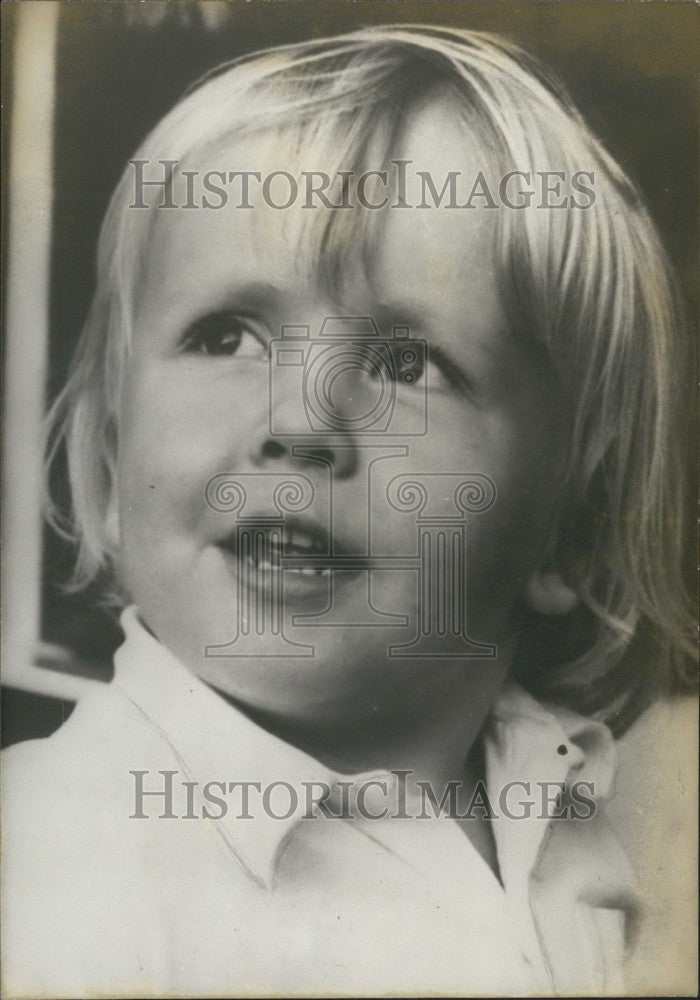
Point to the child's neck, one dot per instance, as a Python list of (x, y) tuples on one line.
[(432, 743)]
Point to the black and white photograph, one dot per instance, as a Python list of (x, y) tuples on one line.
[(349, 628)]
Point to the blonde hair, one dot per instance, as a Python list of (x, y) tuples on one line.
[(592, 287)]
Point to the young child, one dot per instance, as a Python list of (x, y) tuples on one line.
[(380, 767)]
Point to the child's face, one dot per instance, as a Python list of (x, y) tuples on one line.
[(196, 404)]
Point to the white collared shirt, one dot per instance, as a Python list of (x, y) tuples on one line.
[(290, 900)]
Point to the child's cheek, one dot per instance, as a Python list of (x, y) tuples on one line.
[(505, 542), (162, 460)]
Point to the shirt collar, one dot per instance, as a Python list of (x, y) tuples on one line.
[(214, 741), (533, 745)]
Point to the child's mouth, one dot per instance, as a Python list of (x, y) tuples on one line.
[(261, 551), (268, 554)]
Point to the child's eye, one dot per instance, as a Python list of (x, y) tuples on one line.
[(224, 335), (408, 364), (416, 365)]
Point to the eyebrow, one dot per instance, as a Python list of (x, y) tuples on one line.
[(401, 313), (412, 314), (253, 295)]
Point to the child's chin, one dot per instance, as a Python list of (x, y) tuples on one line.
[(347, 678)]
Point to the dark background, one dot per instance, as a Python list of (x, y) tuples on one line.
[(630, 67)]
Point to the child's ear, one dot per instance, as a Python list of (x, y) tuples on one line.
[(548, 594)]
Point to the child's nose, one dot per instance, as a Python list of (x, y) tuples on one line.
[(289, 449)]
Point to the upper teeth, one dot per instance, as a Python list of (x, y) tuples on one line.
[(265, 565), (278, 542), (303, 541)]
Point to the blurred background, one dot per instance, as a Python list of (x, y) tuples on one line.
[(118, 65)]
